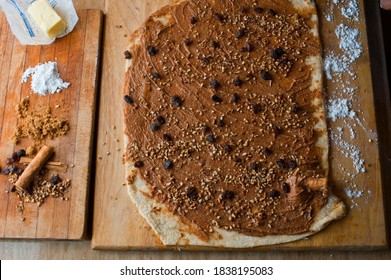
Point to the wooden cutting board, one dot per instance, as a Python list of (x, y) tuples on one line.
[(117, 223), (77, 55)]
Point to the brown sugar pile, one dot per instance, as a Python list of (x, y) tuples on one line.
[(37, 126)]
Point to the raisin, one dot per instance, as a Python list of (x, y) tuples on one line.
[(55, 180), (177, 100), (138, 164), (218, 16), (187, 42), (256, 108), (15, 157), (235, 98), (272, 12), (13, 169), (193, 20), (248, 47), (160, 120), (8, 161), (214, 84), (21, 153), (237, 159), (128, 99), (192, 193), (227, 148), (220, 123), (204, 59), (238, 82), (154, 127), (168, 164), (227, 195), (286, 187), (255, 166), (292, 164), (215, 44), (243, 10), (210, 138), (217, 99), (156, 75), (281, 163), (266, 75), (152, 50), (258, 10), (240, 33), (277, 130), (5, 171), (274, 194), (277, 53), (205, 129), (127, 55), (19, 171), (295, 108), (267, 151), (167, 137)]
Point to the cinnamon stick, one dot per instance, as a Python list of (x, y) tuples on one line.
[(33, 168), (50, 165)]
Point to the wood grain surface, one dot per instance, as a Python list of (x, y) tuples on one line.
[(21, 249), (116, 222), (78, 60)]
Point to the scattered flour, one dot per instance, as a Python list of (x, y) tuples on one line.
[(340, 108), (350, 151), (351, 47), (45, 78), (351, 10), (340, 70), (348, 8)]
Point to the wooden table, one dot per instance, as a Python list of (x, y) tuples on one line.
[(10, 249)]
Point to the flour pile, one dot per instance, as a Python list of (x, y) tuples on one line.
[(45, 78)]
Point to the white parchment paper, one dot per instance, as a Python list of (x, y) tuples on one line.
[(25, 28)]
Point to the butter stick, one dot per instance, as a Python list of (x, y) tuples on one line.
[(47, 18)]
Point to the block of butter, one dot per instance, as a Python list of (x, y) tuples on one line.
[(47, 18)]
